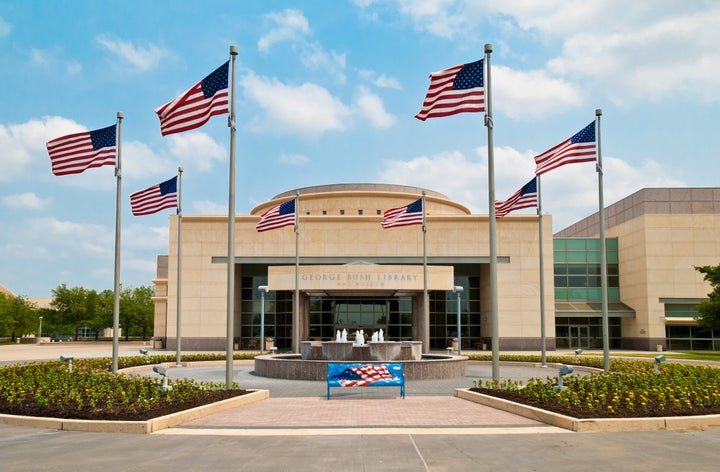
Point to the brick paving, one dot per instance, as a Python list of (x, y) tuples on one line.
[(349, 412), (301, 407)]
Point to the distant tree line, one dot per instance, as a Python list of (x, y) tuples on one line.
[(78, 307), (710, 309)]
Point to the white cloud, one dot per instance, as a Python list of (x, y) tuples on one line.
[(315, 58), (373, 109), (68, 238), (306, 109), (569, 193), (52, 61), (292, 26), (27, 200), (197, 151), (23, 145), (380, 81), (207, 207), (73, 67), (5, 27), (288, 25), (443, 18), (137, 237), (140, 57), (388, 82), (627, 51), (139, 161), (673, 55), (532, 94), (294, 159), (450, 173), (25, 155), (39, 57)]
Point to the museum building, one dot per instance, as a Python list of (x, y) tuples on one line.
[(344, 271)]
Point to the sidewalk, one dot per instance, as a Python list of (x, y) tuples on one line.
[(302, 406), (298, 429)]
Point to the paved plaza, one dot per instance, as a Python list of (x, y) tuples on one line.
[(298, 429)]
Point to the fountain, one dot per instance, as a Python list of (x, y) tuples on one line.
[(311, 363)]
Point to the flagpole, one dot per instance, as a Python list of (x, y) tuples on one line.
[(179, 263), (296, 310), (231, 229), (491, 206), (118, 208), (543, 345), (426, 302), (603, 249)]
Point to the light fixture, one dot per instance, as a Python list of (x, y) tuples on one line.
[(145, 354), (578, 351), (564, 370), (68, 360), (658, 360), (162, 371)]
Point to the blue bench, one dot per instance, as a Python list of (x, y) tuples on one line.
[(366, 375)]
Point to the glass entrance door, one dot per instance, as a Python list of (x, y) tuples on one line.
[(579, 336), (393, 315)]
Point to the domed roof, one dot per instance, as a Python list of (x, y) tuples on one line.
[(360, 188)]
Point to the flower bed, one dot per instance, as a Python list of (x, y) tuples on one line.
[(630, 389), (91, 391)]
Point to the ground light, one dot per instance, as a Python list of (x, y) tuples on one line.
[(577, 353), (68, 360), (564, 370), (162, 371), (658, 360), (144, 353)]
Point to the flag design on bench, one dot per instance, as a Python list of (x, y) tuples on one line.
[(363, 375)]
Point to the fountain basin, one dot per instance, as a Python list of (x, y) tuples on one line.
[(374, 351), (294, 367)]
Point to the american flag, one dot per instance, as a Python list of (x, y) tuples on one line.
[(277, 216), (526, 197), (194, 108), (74, 153), (581, 147), (155, 198), (363, 375), (455, 90), (411, 214)]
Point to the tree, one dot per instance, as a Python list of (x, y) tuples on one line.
[(136, 311), (78, 307), (710, 309), (17, 316)]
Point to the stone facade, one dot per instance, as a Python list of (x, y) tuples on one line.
[(339, 227)]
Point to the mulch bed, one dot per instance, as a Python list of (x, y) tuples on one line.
[(119, 412), (652, 411)]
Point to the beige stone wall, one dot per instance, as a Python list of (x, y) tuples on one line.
[(451, 232), (519, 281), (658, 254)]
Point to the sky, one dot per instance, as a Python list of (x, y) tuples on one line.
[(327, 91)]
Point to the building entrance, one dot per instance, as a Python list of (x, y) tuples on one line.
[(331, 314), (579, 337)]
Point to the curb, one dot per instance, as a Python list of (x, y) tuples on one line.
[(135, 427), (669, 423)]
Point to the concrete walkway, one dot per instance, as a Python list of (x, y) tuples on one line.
[(356, 430)]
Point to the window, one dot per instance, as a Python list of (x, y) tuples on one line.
[(577, 269)]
